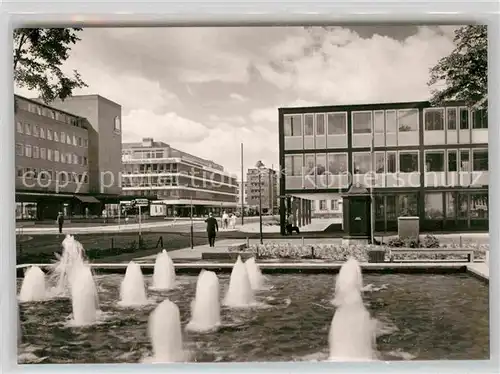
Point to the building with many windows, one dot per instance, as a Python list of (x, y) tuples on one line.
[(430, 162), (267, 192), (59, 157), (176, 179)]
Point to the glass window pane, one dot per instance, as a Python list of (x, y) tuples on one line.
[(320, 124), (452, 161), (391, 162), (479, 160), (434, 205), (408, 162), (465, 160), (480, 119), (451, 116), (297, 165), (288, 165), (362, 163), (391, 207), (379, 122), (337, 123), (434, 119), (379, 208), (320, 164), (464, 119), (391, 121), (479, 205), (380, 162), (362, 123), (407, 205), (308, 125), (463, 205), (408, 120), (434, 161), (337, 163), (309, 164), (450, 205)]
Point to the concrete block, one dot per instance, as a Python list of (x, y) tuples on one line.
[(409, 227), (226, 256)]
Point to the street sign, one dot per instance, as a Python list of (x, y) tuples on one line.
[(141, 202)]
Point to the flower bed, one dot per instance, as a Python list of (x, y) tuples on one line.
[(340, 253)]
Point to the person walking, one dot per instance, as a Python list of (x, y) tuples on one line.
[(225, 220), (60, 221), (212, 229)]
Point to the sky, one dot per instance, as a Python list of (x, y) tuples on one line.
[(207, 90)]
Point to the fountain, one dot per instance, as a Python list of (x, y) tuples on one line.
[(83, 296), (164, 272), (205, 308), (240, 293), (165, 333), (132, 290), (254, 274), (72, 257), (352, 335), (33, 287)]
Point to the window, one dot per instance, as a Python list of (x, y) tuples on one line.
[(462, 205), (36, 152), (56, 136), (84, 160), (379, 208), (465, 160), (322, 205), (19, 127), (464, 119), (75, 140), (27, 128), (293, 125), (320, 124), (408, 205), (85, 143), (450, 205), (63, 137), (308, 125), (391, 121), (49, 154), (391, 162), (452, 160), (479, 160), (434, 119), (80, 143), (362, 122), (36, 131), (480, 119), (407, 120), (334, 205), (337, 123), (337, 163), (380, 162), (479, 205), (390, 201), (320, 164), (75, 159), (49, 134), (43, 153), (451, 118), (434, 161), (27, 150), (68, 139), (42, 133), (362, 162), (56, 155), (379, 121), (434, 205), (293, 165), (118, 124), (309, 164), (19, 149), (408, 162)]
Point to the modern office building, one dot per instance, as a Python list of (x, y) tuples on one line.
[(176, 179), (327, 208), (267, 192), (242, 195), (429, 162), (62, 153)]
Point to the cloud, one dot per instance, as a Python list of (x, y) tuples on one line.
[(238, 97)]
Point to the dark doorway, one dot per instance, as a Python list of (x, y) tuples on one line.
[(359, 217)]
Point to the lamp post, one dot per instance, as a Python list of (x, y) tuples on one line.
[(259, 166)]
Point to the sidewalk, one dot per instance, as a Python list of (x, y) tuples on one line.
[(317, 224)]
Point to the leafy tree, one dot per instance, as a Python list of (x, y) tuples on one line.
[(465, 70), (39, 54)]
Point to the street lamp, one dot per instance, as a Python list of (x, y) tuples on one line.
[(259, 166)]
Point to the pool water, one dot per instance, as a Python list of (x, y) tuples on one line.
[(422, 317)]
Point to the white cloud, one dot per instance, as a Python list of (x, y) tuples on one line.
[(238, 97)]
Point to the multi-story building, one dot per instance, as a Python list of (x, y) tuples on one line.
[(177, 179), (327, 208), (267, 191), (430, 162), (58, 155), (242, 195)]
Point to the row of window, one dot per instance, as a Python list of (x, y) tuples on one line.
[(452, 160), (33, 151), (50, 175), (380, 121), (48, 112), (49, 134), (334, 205), (437, 205)]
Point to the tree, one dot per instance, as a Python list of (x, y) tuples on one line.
[(39, 54), (465, 70)]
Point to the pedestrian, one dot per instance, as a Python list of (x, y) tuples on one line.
[(104, 215), (225, 220), (290, 227), (212, 229), (60, 221), (233, 221)]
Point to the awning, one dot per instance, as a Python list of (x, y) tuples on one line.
[(87, 199)]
